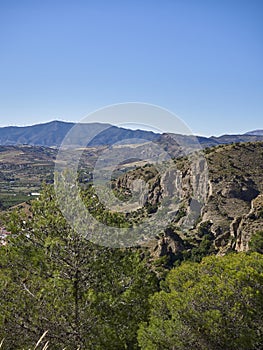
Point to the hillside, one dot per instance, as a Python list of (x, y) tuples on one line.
[(53, 274), (235, 194), (232, 209), (23, 169), (190, 142), (229, 215)]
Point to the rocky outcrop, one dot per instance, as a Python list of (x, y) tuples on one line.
[(235, 192), (225, 189), (249, 224), (227, 206), (170, 244), (241, 188)]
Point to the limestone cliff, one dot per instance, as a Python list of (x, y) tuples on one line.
[(218, 198)]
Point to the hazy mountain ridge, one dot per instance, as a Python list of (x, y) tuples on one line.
[(53, 133), (255, 133)]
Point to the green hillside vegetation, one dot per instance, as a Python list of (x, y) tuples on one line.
[(216, 304), (200, 288), (92, 297), (53, 279)]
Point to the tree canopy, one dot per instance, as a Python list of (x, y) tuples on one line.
[(54, 279), (215, 304), (93, 297)]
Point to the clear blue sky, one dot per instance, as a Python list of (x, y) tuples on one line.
[(201, 59)]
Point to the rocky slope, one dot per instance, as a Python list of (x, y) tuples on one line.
[(207, 203), (216, 199), (236, 186)]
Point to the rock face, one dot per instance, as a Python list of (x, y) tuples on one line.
[(224, 189), (249, 223), (171, 243), (235, 196)]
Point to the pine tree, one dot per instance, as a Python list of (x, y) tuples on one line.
[(212, 305), (54, 279)]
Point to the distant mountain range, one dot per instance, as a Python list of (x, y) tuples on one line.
[(53, 133)]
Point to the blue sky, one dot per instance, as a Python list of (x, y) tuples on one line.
[(201, 59)]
